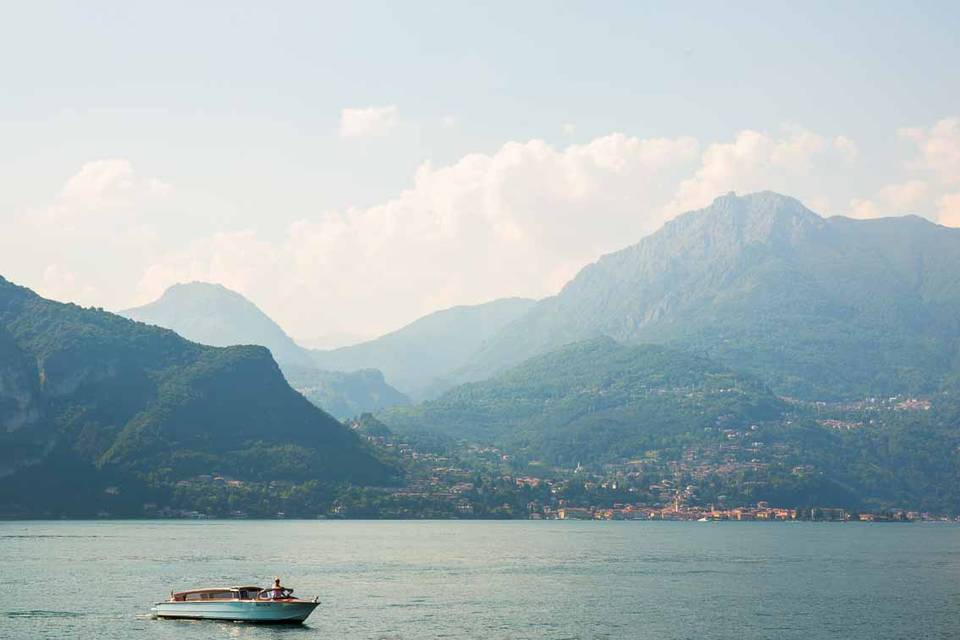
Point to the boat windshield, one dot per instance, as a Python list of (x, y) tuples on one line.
[(275, 594)]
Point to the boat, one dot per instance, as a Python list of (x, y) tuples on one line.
[(241, 604)]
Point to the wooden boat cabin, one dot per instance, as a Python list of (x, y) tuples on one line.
[(230, 593)]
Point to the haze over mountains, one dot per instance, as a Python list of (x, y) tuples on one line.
[(214, 315), (418, 357)]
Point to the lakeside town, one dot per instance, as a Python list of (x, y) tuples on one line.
[(725, 476), (479, 482)]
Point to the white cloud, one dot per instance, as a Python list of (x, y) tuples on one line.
[(754, 161), (933, 169), (569, 128), (62, 284), (847, 148), (938, 149), (904, 197), (520, 221), (368, 121), (948, 209), (893, 200), (99, 188)]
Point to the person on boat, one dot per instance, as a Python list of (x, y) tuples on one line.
[(278, 591)]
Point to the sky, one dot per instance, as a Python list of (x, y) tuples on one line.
[(350, 167)]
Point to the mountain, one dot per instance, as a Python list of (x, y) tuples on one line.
[(342, 393), (594, 401), (214, 315), (88, 399), (816, 308), (652, 416), (418, 357)]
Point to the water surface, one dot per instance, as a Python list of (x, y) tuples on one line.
[(486, 580)]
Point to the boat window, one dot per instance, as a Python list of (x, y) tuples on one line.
[(211, 595)]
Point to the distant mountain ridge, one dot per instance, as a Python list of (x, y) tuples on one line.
[(213, 314), (89, 400), (817, 308), (418, 357)]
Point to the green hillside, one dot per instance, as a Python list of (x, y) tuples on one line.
[(88, 389), (594, 402), (639, 414)]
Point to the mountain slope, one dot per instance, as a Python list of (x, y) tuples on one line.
[(214, 315), (818, 308), (418, 357), (594, 401), (86, 388)]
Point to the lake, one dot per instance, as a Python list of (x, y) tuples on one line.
[(510, 580)]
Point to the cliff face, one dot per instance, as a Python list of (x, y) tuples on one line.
[(23, 440)]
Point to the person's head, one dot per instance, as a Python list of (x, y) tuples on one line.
[(276, 582)]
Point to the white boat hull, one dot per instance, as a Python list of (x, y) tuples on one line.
[(238, 610)]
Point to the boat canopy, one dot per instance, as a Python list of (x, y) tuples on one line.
[(216, 593)]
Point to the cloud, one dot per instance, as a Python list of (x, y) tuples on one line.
[(847, 148), (904, 197), (100, 188), (938, 149), (863, 209), (520, 221), (931, 171), (368, 121), (62, 284), (569, 128), (948, 210), (754, 161), (892, 200)]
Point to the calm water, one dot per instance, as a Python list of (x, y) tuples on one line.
[(492, 580)]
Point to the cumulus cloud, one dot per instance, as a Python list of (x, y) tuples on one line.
[(893, 200), (520, 221), (948, 209), (938, 149), (847, 148), (753, 161), (934, 168), (368, 121), (102, 187)]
